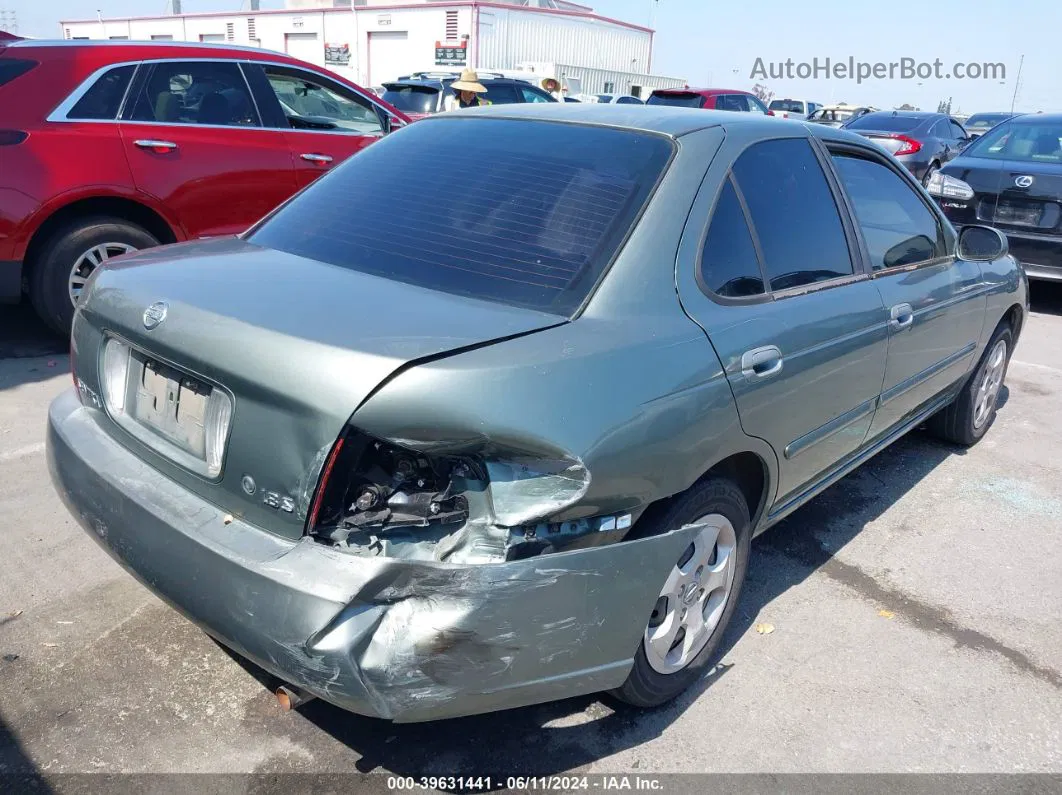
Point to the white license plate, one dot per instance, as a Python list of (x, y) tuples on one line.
[(172, 404)]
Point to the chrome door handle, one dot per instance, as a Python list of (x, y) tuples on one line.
[(316, 158), (158, 146), (761, 362), (901, 316)]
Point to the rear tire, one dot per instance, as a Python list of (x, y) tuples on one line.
[(66, 261), (664, 668), (967, 419)]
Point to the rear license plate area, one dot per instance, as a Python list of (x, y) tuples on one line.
[(170, 403), (1017, 213)]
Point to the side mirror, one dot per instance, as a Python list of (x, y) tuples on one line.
[(391, 123), (982, 244)]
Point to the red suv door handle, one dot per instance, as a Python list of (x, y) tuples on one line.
[(156, 146), (315, 158)]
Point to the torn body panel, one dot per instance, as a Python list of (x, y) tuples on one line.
[(403, 640)]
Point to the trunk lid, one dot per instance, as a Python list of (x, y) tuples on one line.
[(297, 344), (1034, 206)]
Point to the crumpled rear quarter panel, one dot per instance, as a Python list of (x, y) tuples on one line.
[(408, 641)]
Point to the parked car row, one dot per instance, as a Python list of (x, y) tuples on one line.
[(191, 140)]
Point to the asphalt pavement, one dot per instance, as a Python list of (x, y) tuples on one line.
[(913, 614)]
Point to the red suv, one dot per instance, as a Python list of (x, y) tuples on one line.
[(109, 147), (708, 99)]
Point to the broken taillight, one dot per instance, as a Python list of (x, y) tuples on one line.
[(322, 484)]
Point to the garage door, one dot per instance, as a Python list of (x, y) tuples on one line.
[(388, 56), (304, 46)]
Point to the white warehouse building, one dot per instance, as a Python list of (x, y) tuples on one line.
[(374, 41)]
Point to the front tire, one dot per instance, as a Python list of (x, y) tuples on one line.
[(699, 596), (69, 258), (967, 419)]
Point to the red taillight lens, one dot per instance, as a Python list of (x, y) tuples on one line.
[(12, 137), (322, 485), (908, 146)]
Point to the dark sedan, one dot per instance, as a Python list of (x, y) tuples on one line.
[(923, 142), (980, 123), (1011, 178)]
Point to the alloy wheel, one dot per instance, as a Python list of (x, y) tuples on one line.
[(991, 382), (693, 598), (89, 261)]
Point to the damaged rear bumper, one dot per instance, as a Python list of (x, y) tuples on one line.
[(406, 641)]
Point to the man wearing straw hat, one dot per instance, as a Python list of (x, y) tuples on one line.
[(467, 90)]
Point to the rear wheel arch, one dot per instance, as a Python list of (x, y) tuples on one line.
[(747, 470), (116, 207)]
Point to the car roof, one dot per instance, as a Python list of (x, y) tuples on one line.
[(663, 119), (123, 48), (1033, 118), (704, 92), (909, 114), (438, 81)]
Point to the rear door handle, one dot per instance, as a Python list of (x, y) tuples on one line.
[(313, 157), (155, 146), (761, 362), (901, 316)]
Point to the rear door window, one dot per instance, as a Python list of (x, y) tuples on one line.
[(532, 94), (10, 68), (731, 102), (897, 226), (412, 99), (519, 212), (677, 99), (794, 214), (501, 93), (195, 92), (729, 265), (103, 99)]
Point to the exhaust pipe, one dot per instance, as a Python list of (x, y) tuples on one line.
[(289, 697)]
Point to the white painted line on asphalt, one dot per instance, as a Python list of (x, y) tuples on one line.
[(1036, 366), (21, 452)]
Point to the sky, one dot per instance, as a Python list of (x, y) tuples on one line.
[(717, 44)]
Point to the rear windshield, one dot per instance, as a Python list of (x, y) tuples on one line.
[(10, 68), (412, 99), (885, 122), (787, 105), (1029, 143), (986, 119), (682, 100), (519, 212)]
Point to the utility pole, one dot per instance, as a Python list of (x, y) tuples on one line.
[(1017, 85)]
